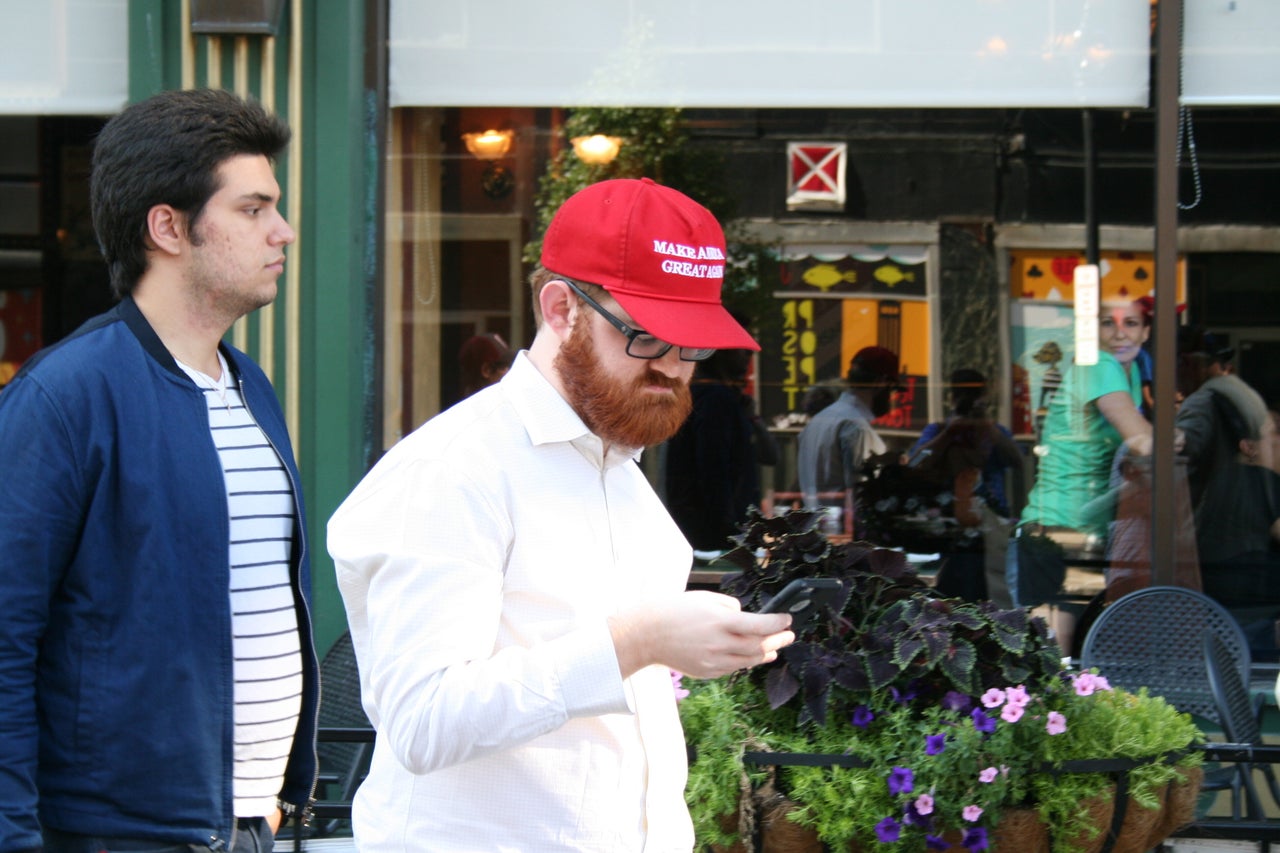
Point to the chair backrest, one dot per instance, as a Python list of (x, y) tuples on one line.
[(1230, 692), (1154, 638)]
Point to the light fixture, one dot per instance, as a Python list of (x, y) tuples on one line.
[(596, 149), (236, 17), (492, 145), (489, 145)]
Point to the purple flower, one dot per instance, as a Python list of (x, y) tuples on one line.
[(933, 744), (862, 716), (982, 722), (902, 697), (933, 842), (888, 830), (975, 839), (901, 781), (955, 701)]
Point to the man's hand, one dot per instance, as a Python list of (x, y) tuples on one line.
[(273, 821), (701, 634)]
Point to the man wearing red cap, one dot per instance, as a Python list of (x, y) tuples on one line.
[(515, 589), (839, 440)]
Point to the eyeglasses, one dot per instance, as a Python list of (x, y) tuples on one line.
[(640, 344)]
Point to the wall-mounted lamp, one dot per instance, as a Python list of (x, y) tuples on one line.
[(489, 145), (492, 145), (598, 149)]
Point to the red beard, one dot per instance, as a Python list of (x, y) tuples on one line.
[(619, 413)]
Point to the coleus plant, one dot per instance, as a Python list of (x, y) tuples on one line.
[(892, 631)]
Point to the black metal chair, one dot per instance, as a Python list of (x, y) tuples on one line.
[(1239, 713), (1154, 638), (343, 763)]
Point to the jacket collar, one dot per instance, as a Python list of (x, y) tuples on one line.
[(133, 318)]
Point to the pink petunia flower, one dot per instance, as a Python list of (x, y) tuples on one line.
[(1017, 696), (924, 804), (988, 776), (992, 698), (1011, 713), (1085, 683), (676, 685), (972, 813), (1057, 723)]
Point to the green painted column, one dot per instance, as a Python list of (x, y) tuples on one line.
[(341, 227)]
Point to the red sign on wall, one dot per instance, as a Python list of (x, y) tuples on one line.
[(816, 175)]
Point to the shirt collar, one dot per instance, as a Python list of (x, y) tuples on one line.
[(548, 418)]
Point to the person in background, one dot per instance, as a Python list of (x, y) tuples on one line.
[(968, 455), (158, 684), (839, 440), (516, 590), (993, 442), (712, 466), (1230, 445), (1097, 409), (482, 361)]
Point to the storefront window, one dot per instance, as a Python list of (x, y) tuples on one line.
[(457, 222)]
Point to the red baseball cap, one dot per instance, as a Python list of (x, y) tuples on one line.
[(659, 253)]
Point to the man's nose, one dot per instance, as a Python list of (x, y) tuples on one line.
[(284, 233), (669, 363)]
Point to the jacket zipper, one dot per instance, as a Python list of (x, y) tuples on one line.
[(291, 810)]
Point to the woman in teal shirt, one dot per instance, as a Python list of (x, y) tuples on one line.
[(1094, 412)]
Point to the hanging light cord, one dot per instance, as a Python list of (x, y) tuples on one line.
[(1186, 129)]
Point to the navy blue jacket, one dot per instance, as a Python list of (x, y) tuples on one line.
[(116, 684)]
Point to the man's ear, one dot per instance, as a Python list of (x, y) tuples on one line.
[(166, 229), (559, 307)]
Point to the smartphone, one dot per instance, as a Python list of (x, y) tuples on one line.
[(807, 600)]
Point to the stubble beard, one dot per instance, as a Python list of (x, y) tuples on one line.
[(212, 290), (619, 413)]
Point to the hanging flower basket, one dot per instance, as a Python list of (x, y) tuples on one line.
[(906, 721)]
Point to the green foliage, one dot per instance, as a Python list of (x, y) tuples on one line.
[(656, 146), (950, 713)]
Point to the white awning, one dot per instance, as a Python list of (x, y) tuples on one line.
[(763, 53), (64, 57), (1231, 52)]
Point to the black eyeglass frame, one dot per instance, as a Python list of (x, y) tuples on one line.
[(631, 334)]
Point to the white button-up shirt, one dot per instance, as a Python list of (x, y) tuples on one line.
[(479, 561)]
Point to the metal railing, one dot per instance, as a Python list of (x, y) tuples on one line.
[(1265, 830)]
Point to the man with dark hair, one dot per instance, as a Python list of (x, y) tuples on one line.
[(840, 439), (158, 684), (516, 590)]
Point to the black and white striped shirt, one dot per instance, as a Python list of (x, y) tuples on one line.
[(266, 644)]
